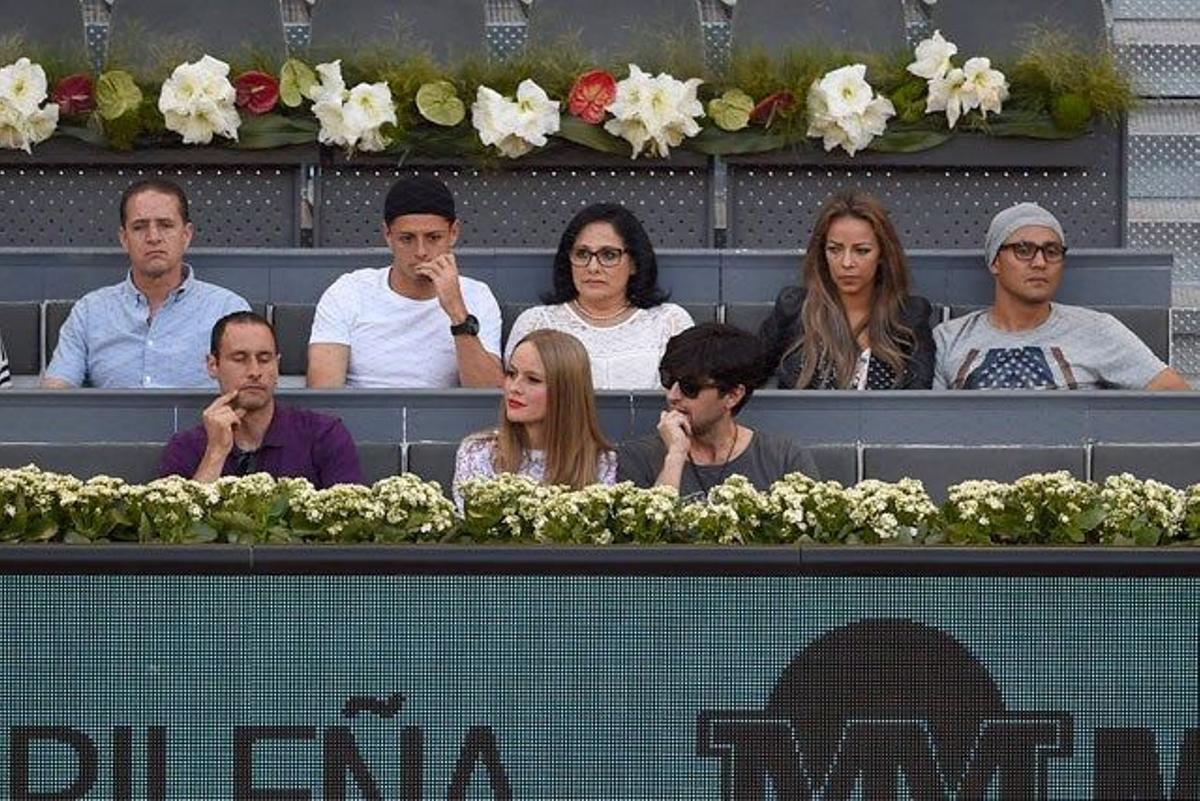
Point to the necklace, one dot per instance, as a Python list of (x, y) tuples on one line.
[(704, 488), (600, 317)]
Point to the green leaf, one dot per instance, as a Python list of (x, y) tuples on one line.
[(595, 137), (276, 130), (908, 141), (715, 142), (437, 101), (116, 93), (731, 111), (295, 79)]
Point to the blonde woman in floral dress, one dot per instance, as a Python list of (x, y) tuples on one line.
[(548, 427)]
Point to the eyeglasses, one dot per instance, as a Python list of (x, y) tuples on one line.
[(607, 258), (689, 386), (1026, 251)]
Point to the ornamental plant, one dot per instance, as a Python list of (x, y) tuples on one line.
[(1139, 511), (24, 121), (591, 95), (803, 510), (1054, 508), (342, 513), (845, 112), (956, 90), (257, 92), (979, 513), (198, 101), (254, 508), (505, 508), (413, 510), (649, 516), (353, 119), (732, 512), (96, 510), (30, 503), (75, 95), (654, 113), (169, 509), (889, 512), (1190, 526), (575, 517), (515, 127)]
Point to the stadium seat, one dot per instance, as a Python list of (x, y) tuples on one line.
[(836, 462), (293, 324), (938, 467), (631, 29), (509, 312), (136, 462), (227, 29), (747, 316), (20, 328), (1177, 464), (55, 313), (446, 29), (378, 460), (432, 461), (703, 312)]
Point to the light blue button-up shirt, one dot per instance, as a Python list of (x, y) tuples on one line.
[(110, 341)]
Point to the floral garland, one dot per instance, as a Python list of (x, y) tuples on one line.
[(1054, 90), (1039, 509)]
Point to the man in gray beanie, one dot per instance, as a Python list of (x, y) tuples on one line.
[(416, 323), (1025, 340)]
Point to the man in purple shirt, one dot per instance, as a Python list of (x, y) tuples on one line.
[(245, 431)]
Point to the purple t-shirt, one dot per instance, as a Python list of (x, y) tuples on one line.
[(298, 444)]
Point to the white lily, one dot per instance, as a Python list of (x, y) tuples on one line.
[(23, 85), (655, 112), (933, 57), (949, 94), (198, 101), (989, 86), (846, 90), (514, 127), (831, 118)]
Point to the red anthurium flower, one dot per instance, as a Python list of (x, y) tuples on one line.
[(770, 106), (257, 92), (592, 93), (75, 94)]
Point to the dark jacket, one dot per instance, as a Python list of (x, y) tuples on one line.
[(782, 329)]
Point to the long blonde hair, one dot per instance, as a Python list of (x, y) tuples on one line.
[(571, 435), (827, 343)]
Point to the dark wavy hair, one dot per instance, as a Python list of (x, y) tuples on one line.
[(643, 290), (160, 185), (718, 352)]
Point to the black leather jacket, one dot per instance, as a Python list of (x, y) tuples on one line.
[(783, 328)]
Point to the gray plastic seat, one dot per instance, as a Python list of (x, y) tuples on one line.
[(293, 325), (702, 312), (432, 461), (446, 29), (378, 460), (224, 29), (630, 28), (938, 467), (747, 316), (20, 328), (777, 25), (836, 462), (1177, 464), (55, 313), (49, 26), (136, 462)]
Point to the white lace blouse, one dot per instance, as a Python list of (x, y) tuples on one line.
[(623, 356), (475, 459)]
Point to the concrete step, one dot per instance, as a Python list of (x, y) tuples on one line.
[(1169, 224), (1163, 56), (1163, 158), (1155, 9)]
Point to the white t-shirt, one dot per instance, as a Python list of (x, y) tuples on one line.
[(623, 356), (396, 341)]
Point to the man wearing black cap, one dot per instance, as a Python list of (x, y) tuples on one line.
[(416, 323)]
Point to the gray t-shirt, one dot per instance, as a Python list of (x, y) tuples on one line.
[(765, 460), (1075, 348)]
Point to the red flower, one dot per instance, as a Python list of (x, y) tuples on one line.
[(770, 107), (74, 94), (257, 92), (591, 95)]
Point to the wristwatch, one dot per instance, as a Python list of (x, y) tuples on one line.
[(468, 327)]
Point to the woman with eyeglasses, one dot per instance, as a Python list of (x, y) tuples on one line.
[(853, 324), (606, 294), (548, 426)]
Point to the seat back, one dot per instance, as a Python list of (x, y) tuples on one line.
[(432, 461), (136, 462), (1177, 464), (293, 325), (378, 460), (20, 329), (938, 467)]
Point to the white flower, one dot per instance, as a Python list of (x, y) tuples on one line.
[(989, 87), (949, 94), (198, 101), (933, 57), (515, 127), (843, 111), (657, 111), (354, 118), (22, 91)]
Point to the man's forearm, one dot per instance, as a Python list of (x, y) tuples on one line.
[(477, 367)]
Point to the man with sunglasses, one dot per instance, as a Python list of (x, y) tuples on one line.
[(1025, 340), (709, 373)]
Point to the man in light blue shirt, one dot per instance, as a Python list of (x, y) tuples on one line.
[(152, 329)]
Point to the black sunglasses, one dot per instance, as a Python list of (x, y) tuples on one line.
[(688, 385)]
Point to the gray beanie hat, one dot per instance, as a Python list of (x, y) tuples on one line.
[(1014, 217)]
